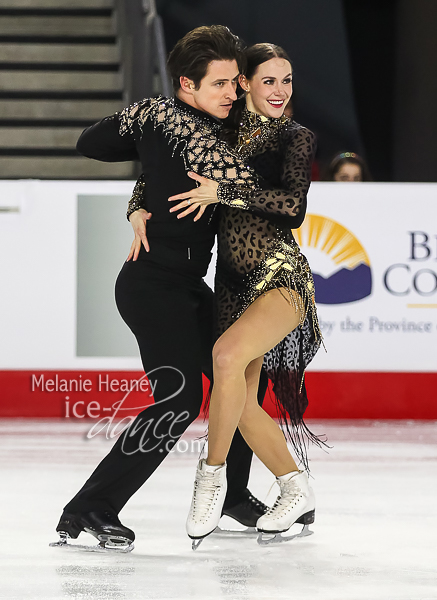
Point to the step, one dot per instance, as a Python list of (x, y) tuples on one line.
[(74, 11), (58, 109), (61, 94), (103, 53), (62, 168), (58, 39), (33, 137), (56, 3), (56, 26), (60, 66), (63, 80)]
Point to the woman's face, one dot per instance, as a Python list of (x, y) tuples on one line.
[(269, 90), (349, 172)]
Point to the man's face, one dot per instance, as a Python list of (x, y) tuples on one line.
[(216, 91)]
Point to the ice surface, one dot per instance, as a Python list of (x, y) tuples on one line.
[(375, 531)]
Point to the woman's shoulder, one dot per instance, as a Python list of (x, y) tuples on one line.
[(296, 135), (293, 128)]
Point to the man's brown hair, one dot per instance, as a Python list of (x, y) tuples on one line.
[(192, 54)]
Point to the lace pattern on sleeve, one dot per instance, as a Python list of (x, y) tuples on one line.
[(194, 137), (135, 115)]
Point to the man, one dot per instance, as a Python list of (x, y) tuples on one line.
[(161, 293)]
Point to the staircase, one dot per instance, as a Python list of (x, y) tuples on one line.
[(59, 72)]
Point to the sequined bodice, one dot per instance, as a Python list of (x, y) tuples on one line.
[(281, 153)]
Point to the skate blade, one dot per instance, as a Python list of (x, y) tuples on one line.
[(103, 546), (196, 543), (248, 532), (278, 537)]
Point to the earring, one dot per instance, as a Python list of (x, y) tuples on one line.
[(244, 87)]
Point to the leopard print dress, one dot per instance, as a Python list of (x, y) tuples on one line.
[(257, 252)]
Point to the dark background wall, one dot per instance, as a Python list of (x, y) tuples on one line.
[(371, 34), (415, 108), (364, 71)]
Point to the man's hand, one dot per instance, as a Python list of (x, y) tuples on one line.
[(138, 221), (198, 198)]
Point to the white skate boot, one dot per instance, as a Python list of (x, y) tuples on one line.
[(295, 504), (209, 493)]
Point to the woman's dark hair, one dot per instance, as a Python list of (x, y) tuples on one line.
[(346, 157), (192, 54), (254, 56)]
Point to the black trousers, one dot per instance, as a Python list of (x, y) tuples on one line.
[(171, 316)]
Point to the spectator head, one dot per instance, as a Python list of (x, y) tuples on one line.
[(347, 166)]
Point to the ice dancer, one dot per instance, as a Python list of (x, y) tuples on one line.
[(265, 298)]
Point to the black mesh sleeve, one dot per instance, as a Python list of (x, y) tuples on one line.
[(298, 148)]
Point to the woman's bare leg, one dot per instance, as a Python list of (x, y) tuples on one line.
[(260, 431), (264, 324)]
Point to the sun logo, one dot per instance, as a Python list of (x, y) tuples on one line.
[(341, 266)]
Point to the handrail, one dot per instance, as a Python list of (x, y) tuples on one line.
[(142, 49)]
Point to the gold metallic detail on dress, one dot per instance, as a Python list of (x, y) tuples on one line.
[(255, 130), (286, 267)]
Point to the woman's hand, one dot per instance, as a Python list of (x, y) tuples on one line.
[(138, 221), (199, 198)]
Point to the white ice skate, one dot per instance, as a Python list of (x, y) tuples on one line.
[(209, 493), (295, 504)]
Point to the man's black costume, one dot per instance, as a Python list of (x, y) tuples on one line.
[(164, 300)]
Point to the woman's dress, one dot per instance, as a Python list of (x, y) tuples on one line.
[(257, 252)]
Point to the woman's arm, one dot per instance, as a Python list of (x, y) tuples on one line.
[(290, 200)]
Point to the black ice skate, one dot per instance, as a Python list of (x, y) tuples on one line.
[(105, 526), (246, 512)]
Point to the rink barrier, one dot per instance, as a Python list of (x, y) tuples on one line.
[(332, 395)]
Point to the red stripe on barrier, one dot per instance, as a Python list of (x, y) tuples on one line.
[(373, 395), (332, 395)]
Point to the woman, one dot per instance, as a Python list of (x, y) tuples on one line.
[(264, 290), (347, 166)]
